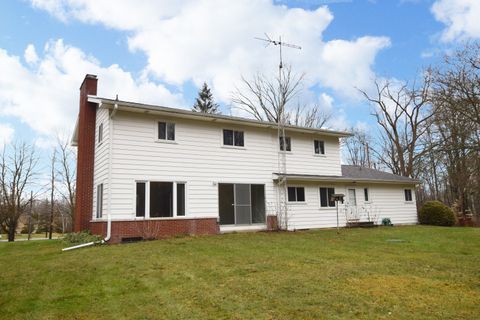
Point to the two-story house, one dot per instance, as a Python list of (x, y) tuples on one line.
[(156, 171)]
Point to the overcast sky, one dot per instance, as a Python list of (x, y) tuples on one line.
[(160, 52)]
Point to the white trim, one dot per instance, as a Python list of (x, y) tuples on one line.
[(235, 228)]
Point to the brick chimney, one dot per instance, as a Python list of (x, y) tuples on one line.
[(85, 154)]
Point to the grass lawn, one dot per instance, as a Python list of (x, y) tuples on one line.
[(20, 236), (433, 273)]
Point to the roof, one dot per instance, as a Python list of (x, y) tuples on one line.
[(182, 113), (353, 174)]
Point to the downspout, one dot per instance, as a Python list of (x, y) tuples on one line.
[(109, 217)]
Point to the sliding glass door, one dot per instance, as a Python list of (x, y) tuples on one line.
[(241, 204)]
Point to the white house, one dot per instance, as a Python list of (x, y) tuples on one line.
[(157, 171)]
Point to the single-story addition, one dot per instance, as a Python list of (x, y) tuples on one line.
[(146, 171)]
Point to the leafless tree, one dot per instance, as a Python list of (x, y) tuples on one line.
[(402, 112), (17, 170), (52, 192), (310, 117), (268, 100), (67, 175), (359, 149)]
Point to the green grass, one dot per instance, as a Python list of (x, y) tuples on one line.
[(434, 273)]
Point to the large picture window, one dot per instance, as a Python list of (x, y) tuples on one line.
[(326, 197), (233, 138), (157, 199)]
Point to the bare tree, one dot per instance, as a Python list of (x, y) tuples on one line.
[(17, 170), (359, 149), (310, 117), (402, 113), (67, 175), (268, 100), (52, 192)]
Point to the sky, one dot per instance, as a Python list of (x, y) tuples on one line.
[(161, 52)]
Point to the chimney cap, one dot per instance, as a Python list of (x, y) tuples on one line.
[(91, 76)]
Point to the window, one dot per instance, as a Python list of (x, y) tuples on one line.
[(365, 194), (296, 194), (140, 200), (180, 199), (166, 131), (100, 133), (233, 138), (326, 197), (285, 144), (408, 194), (319, 146), (99, 200), (158, 199)]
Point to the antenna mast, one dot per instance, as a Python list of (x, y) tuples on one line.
[(282, 187)]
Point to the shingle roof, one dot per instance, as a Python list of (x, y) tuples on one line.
[(362, 173), (355, 174)]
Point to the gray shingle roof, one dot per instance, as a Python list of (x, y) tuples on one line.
[(361, 173)]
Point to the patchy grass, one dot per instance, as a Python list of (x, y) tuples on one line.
[(431, 273)]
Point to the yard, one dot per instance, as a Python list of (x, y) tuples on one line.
[(384, 273)]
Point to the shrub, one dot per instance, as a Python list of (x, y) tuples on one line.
[(436, 213), (81, 237), (387, 222)]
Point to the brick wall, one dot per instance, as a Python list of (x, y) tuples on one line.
[(155, 229), (85, 154)]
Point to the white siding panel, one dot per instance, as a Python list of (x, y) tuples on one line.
[(385, 201), (100, 170)]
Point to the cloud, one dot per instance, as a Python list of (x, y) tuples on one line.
[(30, 54), (213, 41), (45, 95), (6, 134), (461, 18)]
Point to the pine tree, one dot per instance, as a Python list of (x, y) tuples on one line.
[(204, 102)]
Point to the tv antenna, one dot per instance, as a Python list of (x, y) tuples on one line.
[(280, 44), (282, 186)]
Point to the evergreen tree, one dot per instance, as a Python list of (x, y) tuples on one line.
[(204, 102)]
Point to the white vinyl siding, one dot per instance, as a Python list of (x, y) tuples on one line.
[(385, 201), (100, 169)]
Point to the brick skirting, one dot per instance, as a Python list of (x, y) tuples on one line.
[(155, 229)]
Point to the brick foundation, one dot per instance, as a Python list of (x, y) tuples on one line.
[(155, 229)]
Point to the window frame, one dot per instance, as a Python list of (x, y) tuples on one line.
[(147, 199), (99, 202), (167, 124), (296, 195), (315, 149), (366, 195), (100, 133), (233, 146), (328, 206), (410, 193), (289, 139)]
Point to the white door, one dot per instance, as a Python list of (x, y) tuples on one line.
[(352, 198)]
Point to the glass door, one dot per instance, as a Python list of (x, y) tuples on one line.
[(241, 204)]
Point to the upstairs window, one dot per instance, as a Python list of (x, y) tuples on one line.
[(233, 138), (100, 133), (296, 194), (166, 131), (319, 146), (285, 144), (326, 197), (408, 195)]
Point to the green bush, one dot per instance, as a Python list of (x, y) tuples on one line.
[(387, 222), (436, 213), (80, 237)]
